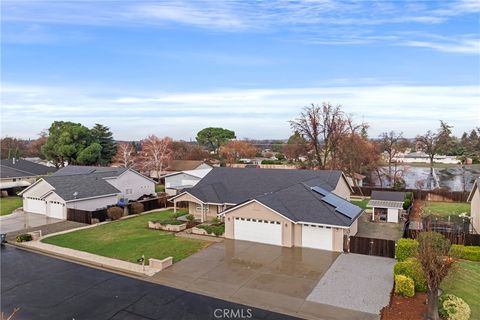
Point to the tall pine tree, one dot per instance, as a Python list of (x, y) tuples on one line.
[(104, 138)]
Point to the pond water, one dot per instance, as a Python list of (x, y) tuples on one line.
[(455, 178)]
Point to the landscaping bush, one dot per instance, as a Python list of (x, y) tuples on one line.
[(453, 308), (412, 269), (404, 286), (216, 229), (190, 217), (407, 203), (136, 208), (114, 213), (169, 221), (465, 252), (24, 237), (272, 162), (406, 248)]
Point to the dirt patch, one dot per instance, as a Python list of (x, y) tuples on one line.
[(406, 308)]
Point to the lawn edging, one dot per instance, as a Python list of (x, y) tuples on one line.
[(97, 260)]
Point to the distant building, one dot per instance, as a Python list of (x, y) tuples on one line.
[(474, 199), (20, 173), (422, 157)]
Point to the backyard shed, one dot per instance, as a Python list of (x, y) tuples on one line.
[(386, 205)]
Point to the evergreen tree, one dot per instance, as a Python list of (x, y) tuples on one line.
[(104, 137)]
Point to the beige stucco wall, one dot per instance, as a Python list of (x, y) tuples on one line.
[(337, 234), (354, 228), (475, 210), (342, 189), (255, 210)]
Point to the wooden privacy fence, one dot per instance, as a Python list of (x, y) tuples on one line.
[(467, 239), (84, 216), (429, 195), (370, 246)]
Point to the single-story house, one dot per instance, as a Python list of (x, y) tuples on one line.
[(474, 199), (20, 173), (303, 208), (177, 181), (422, 157), (182, 165), (386, 205), (85, 188)]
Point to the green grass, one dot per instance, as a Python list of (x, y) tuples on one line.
[(159, 188), (8, 204), (361, 203), (464, 281), (445, 209), (130, 238)]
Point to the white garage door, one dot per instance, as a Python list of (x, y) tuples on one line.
[(317, 237), (35, 205), (56, 210), (263, 231)]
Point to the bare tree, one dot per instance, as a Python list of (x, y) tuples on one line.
[(323, 127), (390, 143), (433, 256), (155, 155), (234, 150), (433, 143), (125, 156)]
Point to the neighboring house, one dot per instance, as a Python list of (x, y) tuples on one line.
[(386, 205), (177, 181), (182, 165), (19, 173), (474, 199), (282, 207), (85, 188), (357, 180), (422, 157), (40, 161)]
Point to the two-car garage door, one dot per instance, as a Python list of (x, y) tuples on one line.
[(258, 230), (34, 205)]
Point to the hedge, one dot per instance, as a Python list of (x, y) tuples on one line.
[(114, 213), (412, 269), (137, 207), (465, 252), (404, 286), (453, 308), (406, 248), (216, 229), (24, 237)]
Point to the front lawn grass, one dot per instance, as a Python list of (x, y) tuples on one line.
[(445, 209), (8, 204), (159, 188), (464, 281), (128, 239), (361, 203)]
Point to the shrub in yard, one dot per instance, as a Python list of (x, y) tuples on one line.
[(190, 217), (137, 207), (114, 213), (170, 221), (406, 248), (216, 229), (24, 237), (404, 286), (453, 308), (407, 203), (412, 269), (465, 252)]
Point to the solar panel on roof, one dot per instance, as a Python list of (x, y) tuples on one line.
[(320, 190), (348, 209), (333, 200)]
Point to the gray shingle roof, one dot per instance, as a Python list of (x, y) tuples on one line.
[(86, 185), (74, 170), (388, 195), (236, 185), (300, 204), (23, 168)]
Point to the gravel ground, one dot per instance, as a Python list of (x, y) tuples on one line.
[(357, 282)]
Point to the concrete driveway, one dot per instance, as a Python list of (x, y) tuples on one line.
[(357, 282), (264, 276), (20, 220)]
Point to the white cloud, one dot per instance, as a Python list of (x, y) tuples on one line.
[(471, 46), (255, 113)]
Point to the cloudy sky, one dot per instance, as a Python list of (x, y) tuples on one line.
[(175, 67)]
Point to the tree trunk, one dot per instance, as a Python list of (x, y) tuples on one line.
[(432, 305)]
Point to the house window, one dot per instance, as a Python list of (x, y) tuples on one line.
[(199, 208), (128, 191)]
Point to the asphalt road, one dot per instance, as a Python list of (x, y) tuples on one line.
[(48, 288)]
